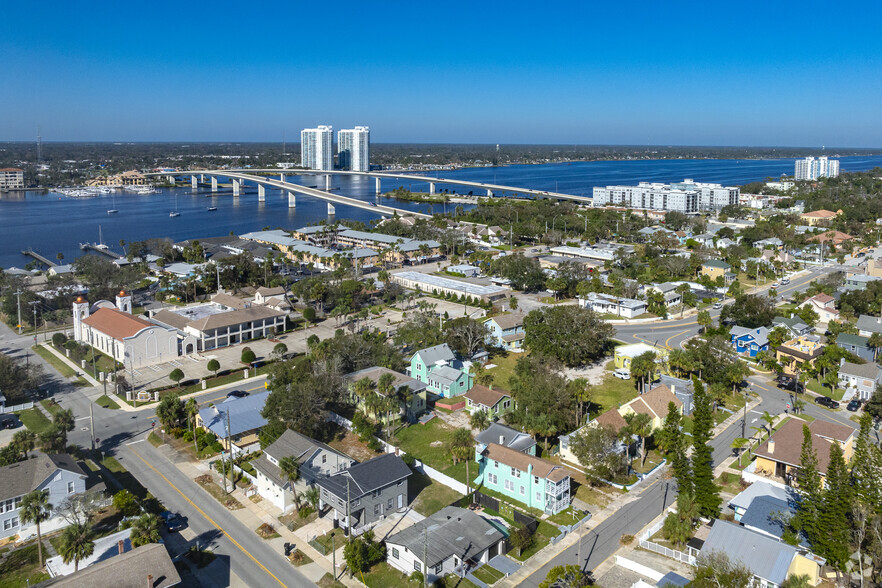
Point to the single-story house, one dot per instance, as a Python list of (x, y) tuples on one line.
[(750, 341), (742, 501), (148, 565), (466, 270), (236, 419), (625, 354), (493, 402), (605, 304), (460, 541), (863, 379)]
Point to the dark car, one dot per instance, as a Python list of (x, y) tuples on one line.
[(853, 406), (173, 521), (826, 401), (8, 423), (788, 383), (237, 394)]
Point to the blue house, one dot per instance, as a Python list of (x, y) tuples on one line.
[(444, 373), (856, 344), (750, 341), (506, 331)]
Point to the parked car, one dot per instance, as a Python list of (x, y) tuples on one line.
[(173, 521), (622, 374), (853, 406), (776, 285), (785, 281), (8, 423), (789, 383), (826, 401), (237, 394), (718, 305)]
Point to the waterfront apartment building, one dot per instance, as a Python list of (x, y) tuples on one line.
[(812, 169), (353, 149), (686, 196), (11, 178), (316, 148)]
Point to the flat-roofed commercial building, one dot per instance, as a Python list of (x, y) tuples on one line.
[(686, 196), (11, 178), (438, 285)]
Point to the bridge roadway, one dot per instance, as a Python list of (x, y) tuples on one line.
[(380, 209), (403, 175)]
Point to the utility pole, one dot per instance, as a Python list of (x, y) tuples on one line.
[(425, 557), (348, 519), (334, 556), (18, 304), (34, 306), (92, 426), (230, 447), (132, 376)]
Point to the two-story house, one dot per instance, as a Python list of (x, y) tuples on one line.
[(363, 494), (58, 473), (715, 268), (750, 341), (863, 379), (445, 374), (857, 345), (525, 478), (506, 331), (495, 402), (314, 459), (824, 305), (798, 354), (778, 459), (505, 436), (411, 393)]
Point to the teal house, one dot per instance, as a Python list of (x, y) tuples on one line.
[(444, 373), (525, 478)]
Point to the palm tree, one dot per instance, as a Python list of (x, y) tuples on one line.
[(145, 530), (35, 508), (290, 467), (769, 420), (462, 447), (738, 445), (312, 496), (192, 409), (24, 441), (704, 319), (77, 543), (640, 424), (875, 342), (479, 420)]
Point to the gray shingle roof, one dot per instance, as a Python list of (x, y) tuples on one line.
[(20, 478), (873, 324), (244, 415), (127, 570), (513, 439), (760, 335), (453, 531), (292, 444), (764, 556), (854, 340), (432, 355), (866, 370), (367, 476)]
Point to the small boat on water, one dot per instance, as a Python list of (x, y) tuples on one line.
[(113, 210), (212, 208), (174, 213)]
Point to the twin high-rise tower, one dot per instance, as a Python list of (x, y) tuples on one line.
[(353, 148)]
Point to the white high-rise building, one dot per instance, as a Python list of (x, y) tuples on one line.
[(316, 148), (686, 196), (812, 169), (354, 148)]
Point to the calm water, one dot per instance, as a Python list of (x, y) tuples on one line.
[(53, 223)]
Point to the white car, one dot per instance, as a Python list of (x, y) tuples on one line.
[(785, 281), (776, 285), (718, 305), (622, 374)]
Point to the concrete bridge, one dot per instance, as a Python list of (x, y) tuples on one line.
[(491, 189), (238, 178)]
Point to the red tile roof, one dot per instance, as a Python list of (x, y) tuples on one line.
[(116, 324)]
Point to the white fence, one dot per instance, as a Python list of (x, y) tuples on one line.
[(641, 569), (645, 543), (749, 475), (16, 408)]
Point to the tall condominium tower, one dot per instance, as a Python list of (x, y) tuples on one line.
[(812, 169), (316, 148), (353, 149)]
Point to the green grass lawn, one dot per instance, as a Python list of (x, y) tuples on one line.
[(21, 568), (34, 420), (212, 382), (428, 443), (325, 540), (106, 402), (504, 370), (59, 366), (50, 406), (612, 393), (488, 575), (730, 482), (653, 458), (383, 575), (434, 497)]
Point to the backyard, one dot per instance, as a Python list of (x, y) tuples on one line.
[(430, 496), (21, 568)]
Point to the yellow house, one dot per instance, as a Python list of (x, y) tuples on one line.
[(799, 353), (715, 268), (817, 217), (624, 354), (778, 458)]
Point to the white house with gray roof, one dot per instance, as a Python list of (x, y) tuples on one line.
[(58, 474), (451, 541), (867, 325), (314, 458), (860, 379)]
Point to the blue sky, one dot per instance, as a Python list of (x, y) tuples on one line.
[(675, 72)]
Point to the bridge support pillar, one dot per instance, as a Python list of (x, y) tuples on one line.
[(202, 178), (171, 180), (281, 177), (236, 187), (378, 185), (327, 182), (292, 200), (490, 193), (331, 210), (431, 187), (194, 183), (214, 183), (261, 193)]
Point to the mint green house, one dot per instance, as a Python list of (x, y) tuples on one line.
[(444, 373), (525, 478)]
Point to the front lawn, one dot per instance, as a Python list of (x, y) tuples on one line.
[(34, 420), (504, 370), (106, 402), (488, 575), (339, 540), (21, 568), (218, 493), (383, 575)]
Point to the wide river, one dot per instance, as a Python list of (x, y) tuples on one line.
[(52, 223)]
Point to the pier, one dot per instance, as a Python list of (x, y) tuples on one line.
[(100, 248), (38, 257)]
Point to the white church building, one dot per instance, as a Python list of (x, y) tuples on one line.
[(129, 339)]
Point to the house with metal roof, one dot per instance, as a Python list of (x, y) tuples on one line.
[(440, 368), (861, 380), (451, 541), (744, 499), (523, 477), (857, 345), (769, 560), (507, 437), (58, 474), (365, 493), (235, 421), (749, 341), (771, 516), (314, 459)]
